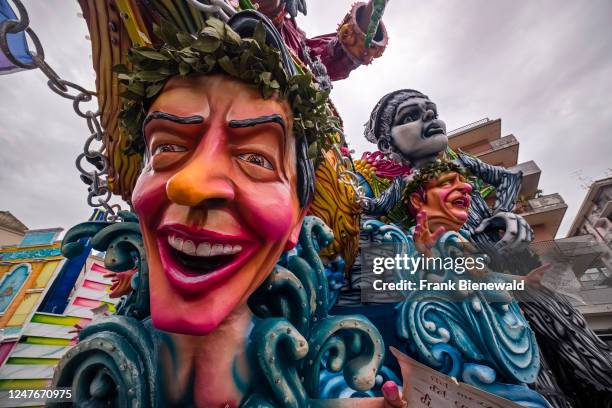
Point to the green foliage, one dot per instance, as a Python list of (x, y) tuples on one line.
[(219, 49), (432, 171)]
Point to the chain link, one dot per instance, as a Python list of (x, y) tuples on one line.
[(93, 156)]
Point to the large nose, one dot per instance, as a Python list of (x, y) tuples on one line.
[(428, 115), (466, 188), (204, 180)]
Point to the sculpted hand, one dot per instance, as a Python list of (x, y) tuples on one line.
[(76, 331), (221, 8), (393, 398), (424, 239), (121, 283), (295, 6), (268, 7), (272, 8), (534, 278), (517, 232)]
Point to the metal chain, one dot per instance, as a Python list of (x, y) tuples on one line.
[(93, 157)]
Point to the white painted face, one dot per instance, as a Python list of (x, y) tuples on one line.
[(417, 133)]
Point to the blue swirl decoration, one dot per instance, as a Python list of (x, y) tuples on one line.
[(298, 346), (480, 338)]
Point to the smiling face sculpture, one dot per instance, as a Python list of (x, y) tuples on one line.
[(217, 199), (443, 194)]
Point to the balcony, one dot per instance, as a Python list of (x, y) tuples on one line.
[(531, 177), (501, 152), (596, 307), (544, 214), (471, 136)]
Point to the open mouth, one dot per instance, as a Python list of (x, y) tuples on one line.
[(433, 130), (196, 260), (462, 203), (203, 257)]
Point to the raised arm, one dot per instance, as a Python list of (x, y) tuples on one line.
[(507, 183)]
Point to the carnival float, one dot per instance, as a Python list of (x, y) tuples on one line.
[(239, 251)]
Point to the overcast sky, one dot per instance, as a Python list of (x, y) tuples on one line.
[(544, 67)]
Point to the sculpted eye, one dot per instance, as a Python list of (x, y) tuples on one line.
[(411, 116), (169, 148), (256, 159)]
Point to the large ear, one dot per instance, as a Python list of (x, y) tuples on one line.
[(416, 201), (294, 236), (384, 146)]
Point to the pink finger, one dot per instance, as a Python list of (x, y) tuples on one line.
[(391, 391)]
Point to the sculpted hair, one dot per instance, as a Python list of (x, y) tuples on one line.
[(244, 24), (378, 128), (305, 172)]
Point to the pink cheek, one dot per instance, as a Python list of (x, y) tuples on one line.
[(444, 193), (149, 197), (272, 215)]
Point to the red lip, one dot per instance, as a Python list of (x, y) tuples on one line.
[(186, 281), (465, 202), (200, 234)]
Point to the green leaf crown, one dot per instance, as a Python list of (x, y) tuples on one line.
[(432, 171), (219, 49)]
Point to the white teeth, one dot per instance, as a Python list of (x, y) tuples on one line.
[(217, 249), (176, 243), (203, 249), (189, 248)]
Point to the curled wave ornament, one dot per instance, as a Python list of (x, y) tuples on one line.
[(124, 247), (298, 341), (348, 344), (485, 378), (481, 332), (112, 365), (278, 347), (455, 330)]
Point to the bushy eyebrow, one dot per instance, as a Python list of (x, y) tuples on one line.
[(412, 105), (243, 123), (181, 120), (447, 177)]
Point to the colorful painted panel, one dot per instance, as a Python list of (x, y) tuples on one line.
[(45, 340), (32, 253), (11, 284), (23, 311), (57, 296), (5, 349), (16, 42), (45, 274), (24, 350), (45, 237), (92, 294), (24, 384)]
